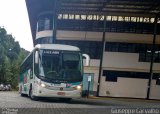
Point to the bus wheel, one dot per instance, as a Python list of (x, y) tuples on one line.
[(23, 95), (32, 97)]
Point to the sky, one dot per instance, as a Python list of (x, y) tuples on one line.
[(14, 18)]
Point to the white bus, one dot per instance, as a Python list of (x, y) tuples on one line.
[(52, 70)]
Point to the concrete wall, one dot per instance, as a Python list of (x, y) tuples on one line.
[(126, 61), (46, 33), (127, 87), (110, 36), (155, 90), (124, 87)]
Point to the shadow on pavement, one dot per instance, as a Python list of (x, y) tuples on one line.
[(76, 101), (73, 101)]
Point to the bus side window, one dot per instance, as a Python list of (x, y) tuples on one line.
[(158, 81), (31, 66), (36, 65), (31, 74)]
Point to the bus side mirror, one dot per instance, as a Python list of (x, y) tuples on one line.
[(87, 58), (36, 57)]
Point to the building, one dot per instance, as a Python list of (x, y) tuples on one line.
[(122, 38)]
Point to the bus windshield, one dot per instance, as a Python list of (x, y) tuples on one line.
[(60, 66)]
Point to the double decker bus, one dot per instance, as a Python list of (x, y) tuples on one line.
[(52, 70)]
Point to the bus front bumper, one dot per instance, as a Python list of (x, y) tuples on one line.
[(44, 92)]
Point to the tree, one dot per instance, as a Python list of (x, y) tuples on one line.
[(11, 56)]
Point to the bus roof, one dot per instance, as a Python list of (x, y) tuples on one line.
[(57, 47)]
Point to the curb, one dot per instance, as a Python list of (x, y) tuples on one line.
[(124, 99)]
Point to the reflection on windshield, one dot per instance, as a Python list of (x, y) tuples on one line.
[(60, 66), (50, 64)]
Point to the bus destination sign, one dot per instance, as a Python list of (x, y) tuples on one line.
[(50, 52)]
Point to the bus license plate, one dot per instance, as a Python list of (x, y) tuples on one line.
[(61, 93)]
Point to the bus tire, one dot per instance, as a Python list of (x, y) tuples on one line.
[(32, 97), (23, 95)]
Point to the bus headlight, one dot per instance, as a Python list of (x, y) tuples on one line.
[(78, 87), (43, 85)]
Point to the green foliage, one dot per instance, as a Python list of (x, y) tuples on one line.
[(11, 56)]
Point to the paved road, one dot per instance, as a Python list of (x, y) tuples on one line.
[(13, 103)]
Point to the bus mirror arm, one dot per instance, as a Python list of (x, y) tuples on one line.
[(87, 59), (36, 57)]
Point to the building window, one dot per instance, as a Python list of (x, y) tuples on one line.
[(144, 50), (44, 40), (157, 56), (92, 48), (156, 76), (120, 47), (45, 23), (146, 56), (122, 24), (113, 75)]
